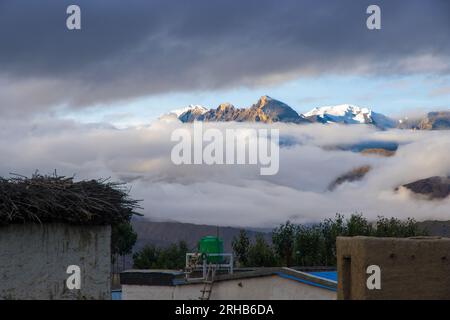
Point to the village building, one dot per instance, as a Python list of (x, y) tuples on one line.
[(373, 268), (55, 237), (246, 284)]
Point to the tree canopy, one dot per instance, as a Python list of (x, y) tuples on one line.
[(315, 244)]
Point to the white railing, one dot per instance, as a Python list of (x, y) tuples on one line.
[(199, 261)]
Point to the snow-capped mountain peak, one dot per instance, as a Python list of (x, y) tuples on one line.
[(192, 107), (349, 114), (269, 110), (343, 112)]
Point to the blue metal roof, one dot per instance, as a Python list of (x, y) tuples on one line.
[(330, 275), (312, 283), (116, 295)]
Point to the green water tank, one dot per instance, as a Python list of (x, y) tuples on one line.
[(211, 244)]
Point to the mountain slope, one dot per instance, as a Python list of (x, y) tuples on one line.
[(190, 112), (439, 120), (353, 175), (436, 121), (266, 110), (165, 233), (269, 110), (432, 188), (349, 114), (436, 228)]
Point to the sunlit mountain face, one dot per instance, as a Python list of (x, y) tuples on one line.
[(269, 110)]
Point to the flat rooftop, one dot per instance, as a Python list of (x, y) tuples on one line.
[(323, 279)]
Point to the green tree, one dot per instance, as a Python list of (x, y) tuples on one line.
[(173, 257), (261, 253), (146, 258), (151, 257), (241, 246), (332, 228), (411, 229), (283, 241), (309, 246), (316, 244), (123, 238), (392, 227), (357, 225)]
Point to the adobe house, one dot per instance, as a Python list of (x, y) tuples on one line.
[(50, 223), (410, 268)]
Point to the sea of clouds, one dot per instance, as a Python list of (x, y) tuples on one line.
[(237, 195)]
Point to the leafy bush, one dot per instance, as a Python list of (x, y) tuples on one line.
[(152, 257), (315, 244)]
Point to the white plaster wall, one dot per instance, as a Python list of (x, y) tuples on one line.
[(34, 259), (260, 288)]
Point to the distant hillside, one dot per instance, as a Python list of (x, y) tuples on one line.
[(165, 233), (436, 121), (439, 120), (432, 188), (436, 228), (353, 175)]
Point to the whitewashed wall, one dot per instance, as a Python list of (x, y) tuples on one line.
[(259, 288), (34, 259)]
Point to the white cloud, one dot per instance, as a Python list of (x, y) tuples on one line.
[(237, 195)]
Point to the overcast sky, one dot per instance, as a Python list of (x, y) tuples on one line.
[(64, 93), (134, 61)]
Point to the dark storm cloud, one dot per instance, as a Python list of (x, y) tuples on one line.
[(133, 48)]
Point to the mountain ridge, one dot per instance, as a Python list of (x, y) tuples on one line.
[(349, 114), (266, 110), (270, 110)]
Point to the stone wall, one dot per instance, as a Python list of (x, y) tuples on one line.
[(412, 268), (34, 260)]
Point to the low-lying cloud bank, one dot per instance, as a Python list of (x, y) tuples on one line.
[(237, 194)]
